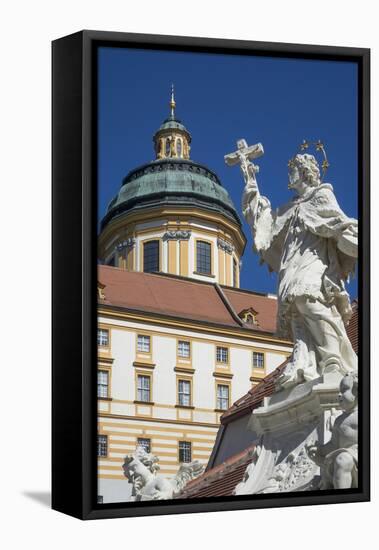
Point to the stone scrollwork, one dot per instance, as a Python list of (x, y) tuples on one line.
[(179, 235), (126, 244), (223, 245), (270, 473), (291, 474)]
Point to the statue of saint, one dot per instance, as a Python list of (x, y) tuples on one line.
[(313, 247)]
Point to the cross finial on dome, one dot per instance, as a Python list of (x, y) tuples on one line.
[(172, 103)]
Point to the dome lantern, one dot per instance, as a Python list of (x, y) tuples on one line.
[(172, 139)]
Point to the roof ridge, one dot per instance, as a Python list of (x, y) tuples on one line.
[(228, 305)]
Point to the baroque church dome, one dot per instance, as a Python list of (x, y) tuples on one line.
[(171, 179), (172, 215)]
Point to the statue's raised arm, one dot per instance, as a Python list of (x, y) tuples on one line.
[(255, 207)]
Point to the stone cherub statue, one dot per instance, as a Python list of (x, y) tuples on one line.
[(141, 470), (338, 459), (313, 247)]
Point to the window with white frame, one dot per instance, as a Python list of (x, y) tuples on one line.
[(222, 354), (145, 443), (222, 397), (203, 257), (151, 256), (185, 453), (143, 343), (102, 337), (102, 383), (258, 360), (184, 393), (143, 388), (102, 445), (184, 349)]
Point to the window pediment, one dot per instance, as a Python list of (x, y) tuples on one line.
[(249, 316)]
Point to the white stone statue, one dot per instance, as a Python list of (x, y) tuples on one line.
[(312, 245), (141, 470), (338, 459)]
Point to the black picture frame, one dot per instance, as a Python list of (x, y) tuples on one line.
[(74, 204)]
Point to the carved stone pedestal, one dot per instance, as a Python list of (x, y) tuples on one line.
[(288, 422)]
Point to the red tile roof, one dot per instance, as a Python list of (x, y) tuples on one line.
[(265, 306), (352, 328), (184, 298), (221, 480), (254, 397)]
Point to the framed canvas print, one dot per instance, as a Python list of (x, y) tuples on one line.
[(210, 275)]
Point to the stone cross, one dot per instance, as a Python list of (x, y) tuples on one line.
[(243, 154)]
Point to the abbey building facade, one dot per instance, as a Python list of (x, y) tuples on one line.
[(178, 340)]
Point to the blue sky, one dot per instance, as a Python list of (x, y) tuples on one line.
[(221, 98)]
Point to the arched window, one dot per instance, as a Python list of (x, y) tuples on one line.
[(151, 256), (179, 147), (168, 146), (203, 257)]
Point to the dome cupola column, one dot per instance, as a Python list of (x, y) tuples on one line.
[(172, 140)]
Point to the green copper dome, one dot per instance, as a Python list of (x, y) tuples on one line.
[(176, 182), (172, 178)]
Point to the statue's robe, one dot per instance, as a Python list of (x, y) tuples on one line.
[(312, 245)]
